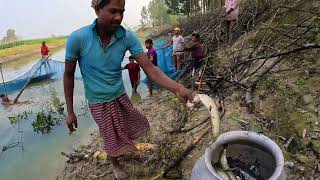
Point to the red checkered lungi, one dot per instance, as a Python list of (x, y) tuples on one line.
[(119, 125)]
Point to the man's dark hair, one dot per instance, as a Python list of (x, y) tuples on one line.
[(149, 41), (2, 96), (196, 35), (103, 3)]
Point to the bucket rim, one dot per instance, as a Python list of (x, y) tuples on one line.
[(248, 136)]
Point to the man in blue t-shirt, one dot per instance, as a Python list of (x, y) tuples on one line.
[(99, 49)]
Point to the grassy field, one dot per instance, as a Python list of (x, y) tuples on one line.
[(27, 46)]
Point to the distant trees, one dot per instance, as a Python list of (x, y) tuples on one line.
[(178, 7), (189, 7), (11, 36), (159, 12), (156, 14), (145, 16)]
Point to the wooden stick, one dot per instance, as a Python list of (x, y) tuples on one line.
[(202, 73), (29, 80), (4, 84), (177, 161), (204, 120)]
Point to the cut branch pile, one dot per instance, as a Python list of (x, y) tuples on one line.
[(271, 48)]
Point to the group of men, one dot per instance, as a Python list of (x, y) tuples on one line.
[(197, 53), (231, 15)]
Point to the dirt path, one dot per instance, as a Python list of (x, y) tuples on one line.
[(148, 163), (165, 113)]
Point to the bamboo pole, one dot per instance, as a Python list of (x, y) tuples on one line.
[(29, 80), (4, 84)]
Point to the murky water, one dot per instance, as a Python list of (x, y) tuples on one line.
[(249, 161), (41, 157)]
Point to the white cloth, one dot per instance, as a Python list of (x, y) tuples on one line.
[(177, 43)]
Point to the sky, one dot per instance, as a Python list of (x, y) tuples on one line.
[(43, 18)]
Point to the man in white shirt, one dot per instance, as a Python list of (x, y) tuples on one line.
[(178, 48)]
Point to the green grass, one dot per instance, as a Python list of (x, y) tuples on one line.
[(30, 46), (30, 42)]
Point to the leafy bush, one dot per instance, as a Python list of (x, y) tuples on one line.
[(43, 123), (17, 118)]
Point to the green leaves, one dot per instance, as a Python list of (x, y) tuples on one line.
[(43, 123), (17, 118), (159, 13), (46, 119), (178, 7)]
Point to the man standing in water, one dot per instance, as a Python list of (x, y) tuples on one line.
[(44, 50), (99, 49), (134, 73)]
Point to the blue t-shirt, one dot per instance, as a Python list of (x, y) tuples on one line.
[(101, 66)]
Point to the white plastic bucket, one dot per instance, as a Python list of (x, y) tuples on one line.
[(204, 170)]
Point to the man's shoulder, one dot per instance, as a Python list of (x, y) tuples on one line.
[(81, 31), (129, 34)]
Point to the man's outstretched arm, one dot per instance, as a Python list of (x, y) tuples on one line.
[(155, 74)]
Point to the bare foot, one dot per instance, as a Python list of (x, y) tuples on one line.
[(119, 172)]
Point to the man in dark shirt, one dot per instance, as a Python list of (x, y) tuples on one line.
[(197, 54), (134, 73), (152, 54)]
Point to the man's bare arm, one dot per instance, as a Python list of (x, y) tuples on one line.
[(168, 44), (155, 74), (151, 58), (68, 81)]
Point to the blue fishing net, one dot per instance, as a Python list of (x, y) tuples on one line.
[(164, 61), (49, 70)]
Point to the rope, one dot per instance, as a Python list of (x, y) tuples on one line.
[(4, 84)]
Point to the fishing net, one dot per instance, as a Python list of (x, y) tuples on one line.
[(51, 69)]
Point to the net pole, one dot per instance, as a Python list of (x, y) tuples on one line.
[(4, 84)]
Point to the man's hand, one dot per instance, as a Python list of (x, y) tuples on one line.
[(185, 94), (72, 122)]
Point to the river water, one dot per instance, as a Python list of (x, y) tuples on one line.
[(40, 156)]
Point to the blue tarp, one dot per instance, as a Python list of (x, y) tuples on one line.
[(164, 61), (50, 70)]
